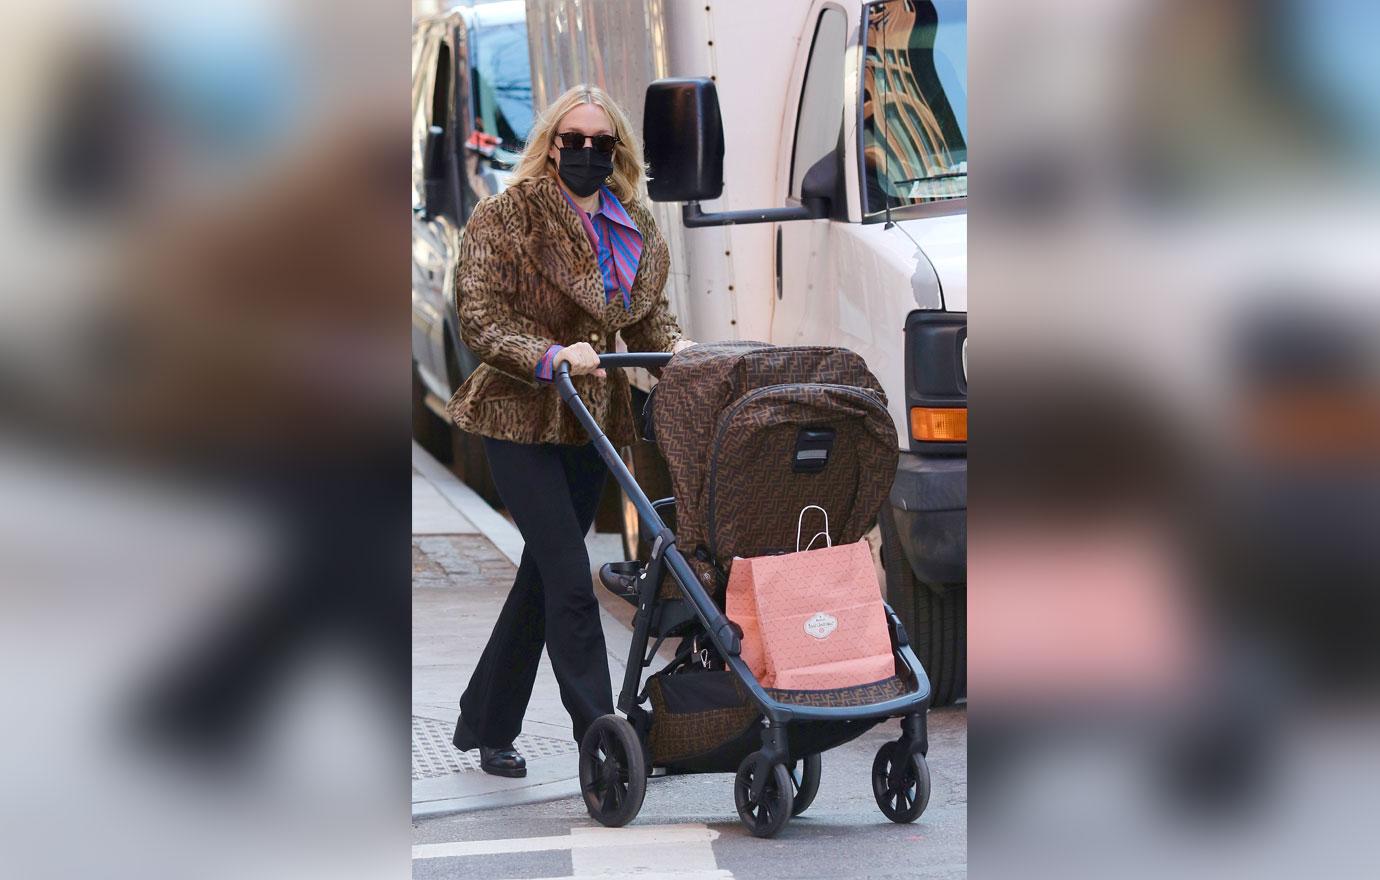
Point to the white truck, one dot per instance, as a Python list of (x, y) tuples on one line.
[(809, 162)]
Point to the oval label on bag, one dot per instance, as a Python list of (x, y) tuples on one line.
[(821, 624)]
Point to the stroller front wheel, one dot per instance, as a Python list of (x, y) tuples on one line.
[(900, 783), (805, 780), (613, 771), (767, 813)]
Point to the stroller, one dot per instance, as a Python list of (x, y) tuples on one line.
[(751, 434)]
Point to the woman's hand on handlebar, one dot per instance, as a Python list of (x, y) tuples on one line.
[(682, 345), (583, 359)]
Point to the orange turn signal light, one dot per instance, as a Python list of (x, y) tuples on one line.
[(939, 425)]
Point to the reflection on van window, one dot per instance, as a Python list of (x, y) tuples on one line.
[(502, 83), (915, 102)]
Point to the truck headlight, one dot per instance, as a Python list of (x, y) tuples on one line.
[(937, 381)]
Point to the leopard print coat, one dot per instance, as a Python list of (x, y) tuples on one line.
[(527, 278)]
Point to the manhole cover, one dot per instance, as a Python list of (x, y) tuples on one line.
[(433, 754)]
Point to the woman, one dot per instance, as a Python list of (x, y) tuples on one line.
[(548, 271)]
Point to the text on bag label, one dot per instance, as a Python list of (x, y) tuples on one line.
[(821, 625)]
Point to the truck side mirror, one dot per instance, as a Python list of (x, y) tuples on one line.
[(821, 185), (683, 140), (683, 143)]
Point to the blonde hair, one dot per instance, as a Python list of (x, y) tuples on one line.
[(628, 180)]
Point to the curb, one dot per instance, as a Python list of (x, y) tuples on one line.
[(535, 791), (501, 533)]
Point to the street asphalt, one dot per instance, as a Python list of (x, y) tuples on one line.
[(842, 834)]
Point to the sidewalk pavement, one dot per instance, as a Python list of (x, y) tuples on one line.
[(464, 557)]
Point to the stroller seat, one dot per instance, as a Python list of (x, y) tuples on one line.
[(752, 433)]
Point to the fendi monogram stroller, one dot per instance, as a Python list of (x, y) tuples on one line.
[(751, 434)]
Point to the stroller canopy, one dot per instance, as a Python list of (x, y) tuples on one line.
[(752, 434)]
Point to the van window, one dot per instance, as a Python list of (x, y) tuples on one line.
[(501, 82), (439, 116), (915, 103), (820, 121)]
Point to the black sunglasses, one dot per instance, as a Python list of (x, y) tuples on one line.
[(574, 140)]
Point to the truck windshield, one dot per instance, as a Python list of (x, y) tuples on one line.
[(915, 102), (502, 83)]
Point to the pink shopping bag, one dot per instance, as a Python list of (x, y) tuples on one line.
[(813, 619)]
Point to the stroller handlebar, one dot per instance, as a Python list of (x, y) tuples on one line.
[(618, 361), (627, 360)]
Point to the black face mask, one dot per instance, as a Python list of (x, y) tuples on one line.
[(583, 169)]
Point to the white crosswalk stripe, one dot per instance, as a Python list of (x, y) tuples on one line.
[(663, 852), (603, 853)]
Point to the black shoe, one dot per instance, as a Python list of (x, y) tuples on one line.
[(505, 761), (500, 761)]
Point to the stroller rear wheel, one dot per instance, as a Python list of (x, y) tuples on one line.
[(805, 781), (900, 782), (767, 813), (613, 771)]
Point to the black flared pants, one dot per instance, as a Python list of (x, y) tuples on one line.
[(552, 493)]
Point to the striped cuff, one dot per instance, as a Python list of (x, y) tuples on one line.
[(546, 367)]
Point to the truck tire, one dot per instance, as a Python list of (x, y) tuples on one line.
[(935, 616)]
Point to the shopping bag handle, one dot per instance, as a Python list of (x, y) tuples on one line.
[(800, 521)]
